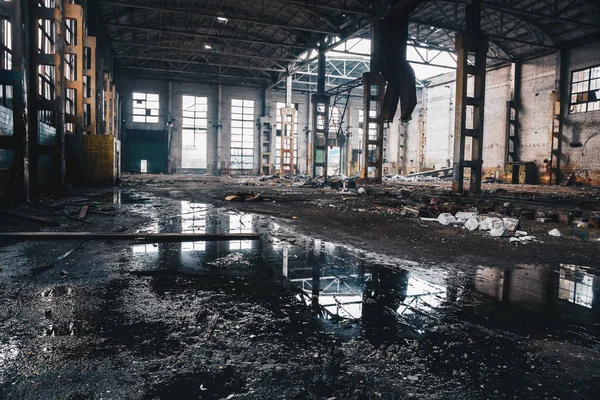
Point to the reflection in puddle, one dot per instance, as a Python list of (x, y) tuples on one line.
[(386, 302)]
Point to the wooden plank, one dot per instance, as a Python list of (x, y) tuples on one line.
[(33, 218), (152, 237)]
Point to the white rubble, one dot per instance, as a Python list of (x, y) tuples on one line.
[(446, 219), (555, 232), (520, 233), (472, 224), (487, 223), (511, 224), (463, 216)]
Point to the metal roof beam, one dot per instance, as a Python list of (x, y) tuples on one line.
[(207, 35), (198, 73), (203, 51), (207, 63), (231, 17)]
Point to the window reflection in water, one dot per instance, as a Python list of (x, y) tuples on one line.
[(193, 220), (240, 224), (575, 286)]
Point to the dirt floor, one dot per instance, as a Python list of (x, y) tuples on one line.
[(345, 295)]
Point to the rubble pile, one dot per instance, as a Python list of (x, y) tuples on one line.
[(416, 178)]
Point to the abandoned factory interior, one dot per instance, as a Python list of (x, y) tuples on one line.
[(299, 199)]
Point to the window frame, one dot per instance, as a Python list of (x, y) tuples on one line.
[(147, 116), (244, 123), (583, 106)]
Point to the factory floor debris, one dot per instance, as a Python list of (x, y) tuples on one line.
[(344, 295)]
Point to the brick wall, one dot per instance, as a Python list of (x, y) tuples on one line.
[(99, 159)]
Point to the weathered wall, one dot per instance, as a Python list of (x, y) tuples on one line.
[(537, 84), (581, 131)]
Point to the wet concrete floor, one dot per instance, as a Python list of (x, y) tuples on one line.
[(289, 316)]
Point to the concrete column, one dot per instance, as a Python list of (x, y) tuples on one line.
[(320, 105)]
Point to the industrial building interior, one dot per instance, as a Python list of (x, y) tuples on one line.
[(299, 199)]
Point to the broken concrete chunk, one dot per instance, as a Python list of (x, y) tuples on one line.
[(555, 232), (498, 232), (514, 239), (472, 224), (520, 233), (446, 219), (463, 216), (362, 191), (511, 223), (487, 223)]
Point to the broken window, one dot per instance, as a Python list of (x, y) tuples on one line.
[(585, 90), (46, 36), (145, 107), (575, 286), (242, 134), (279, 106), (71, 67), (193, 220), (46, 79), (6, 44), (71, 101), (46, 3), (193, 131), (240, 224), (71, 32)]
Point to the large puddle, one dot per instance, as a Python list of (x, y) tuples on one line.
[(381, 298)]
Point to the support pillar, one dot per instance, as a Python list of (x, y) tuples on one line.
[(374, 93), (288, 134), (471, 47), (512, 117), (320, 105)]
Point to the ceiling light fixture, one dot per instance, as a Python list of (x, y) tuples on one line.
[(222, 19)]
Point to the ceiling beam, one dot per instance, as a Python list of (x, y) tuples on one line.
[(207, 63), (197, 73), (202, 51), (231, 17), (208, 35)]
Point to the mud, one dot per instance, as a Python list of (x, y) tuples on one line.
[(341, 298)]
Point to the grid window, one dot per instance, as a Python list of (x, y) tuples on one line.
[(70, 101), (576, 287), (87, 58), (46, 36), (240, 224), (193, 220), (6, 44), (46, 79), (195, 123), (71, 32), (145, 107), (242, 134), (585, 90), (46, 3), (71, 67), (6, 96), (335, 121), (279, 106)]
